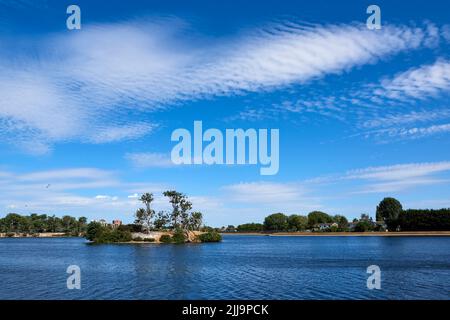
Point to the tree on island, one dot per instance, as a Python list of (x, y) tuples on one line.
[(144, 217), (389, 211), (162, 220), (196, 220), (181, 217), (185, 207), (174, 199)]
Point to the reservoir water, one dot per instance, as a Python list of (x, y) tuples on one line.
[(240, 267)]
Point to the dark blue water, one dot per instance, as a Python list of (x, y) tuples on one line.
[(241, 267)]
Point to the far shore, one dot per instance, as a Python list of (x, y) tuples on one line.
[(35, 235), (272, 234), (347, 234)]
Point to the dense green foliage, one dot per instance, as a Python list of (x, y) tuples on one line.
[(425, 220), (165, 238), (342, 223), (179, 236), (363, 226), (317, 217), (106, 234), (388, 211), (276, 222), (389, 214), (210, 237), (250, 227), (297, 222), (37, 223), (94, 230)]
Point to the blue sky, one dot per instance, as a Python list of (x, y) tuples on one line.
[(86, 115)]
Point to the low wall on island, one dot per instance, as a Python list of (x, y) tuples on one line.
[(155, 236)]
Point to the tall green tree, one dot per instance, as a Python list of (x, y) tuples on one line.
[(388, 211), (196, 220), (297, 222), (161, 220), (82, 221), (316, 217), (185, 207), (276, 222), (342, 222), (144, 217), (174, 199)]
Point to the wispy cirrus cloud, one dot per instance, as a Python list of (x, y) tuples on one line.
[(121, 133), (272, 197), (149, 159), (419, 83), (413, 117), (66, 86), (392, 109), (393, 178), (400, 171)]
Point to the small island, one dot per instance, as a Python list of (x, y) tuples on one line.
[(179, 226)]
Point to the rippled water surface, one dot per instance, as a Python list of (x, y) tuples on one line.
[(241, 267)]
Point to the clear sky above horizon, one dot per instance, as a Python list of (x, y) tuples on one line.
[(86, 115)]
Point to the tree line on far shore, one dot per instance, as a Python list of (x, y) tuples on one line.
[(390, 216), (39, 223)]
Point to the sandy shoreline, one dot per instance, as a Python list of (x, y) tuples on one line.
[(36, 235), (348, 234)]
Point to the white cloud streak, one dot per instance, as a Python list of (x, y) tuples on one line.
[(385, 179), (75, 83), (148, 160), (418, 83)]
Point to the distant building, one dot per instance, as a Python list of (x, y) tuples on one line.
[(325, 226), (351, 226), (103, 222), (116, 223)]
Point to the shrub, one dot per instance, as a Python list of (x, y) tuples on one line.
[(10, 234), (247, 227), (138, 239), (165, 238), (210, 237), (178, 236), (363, 226), (94, 230), (149, 239), (103, 234)]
